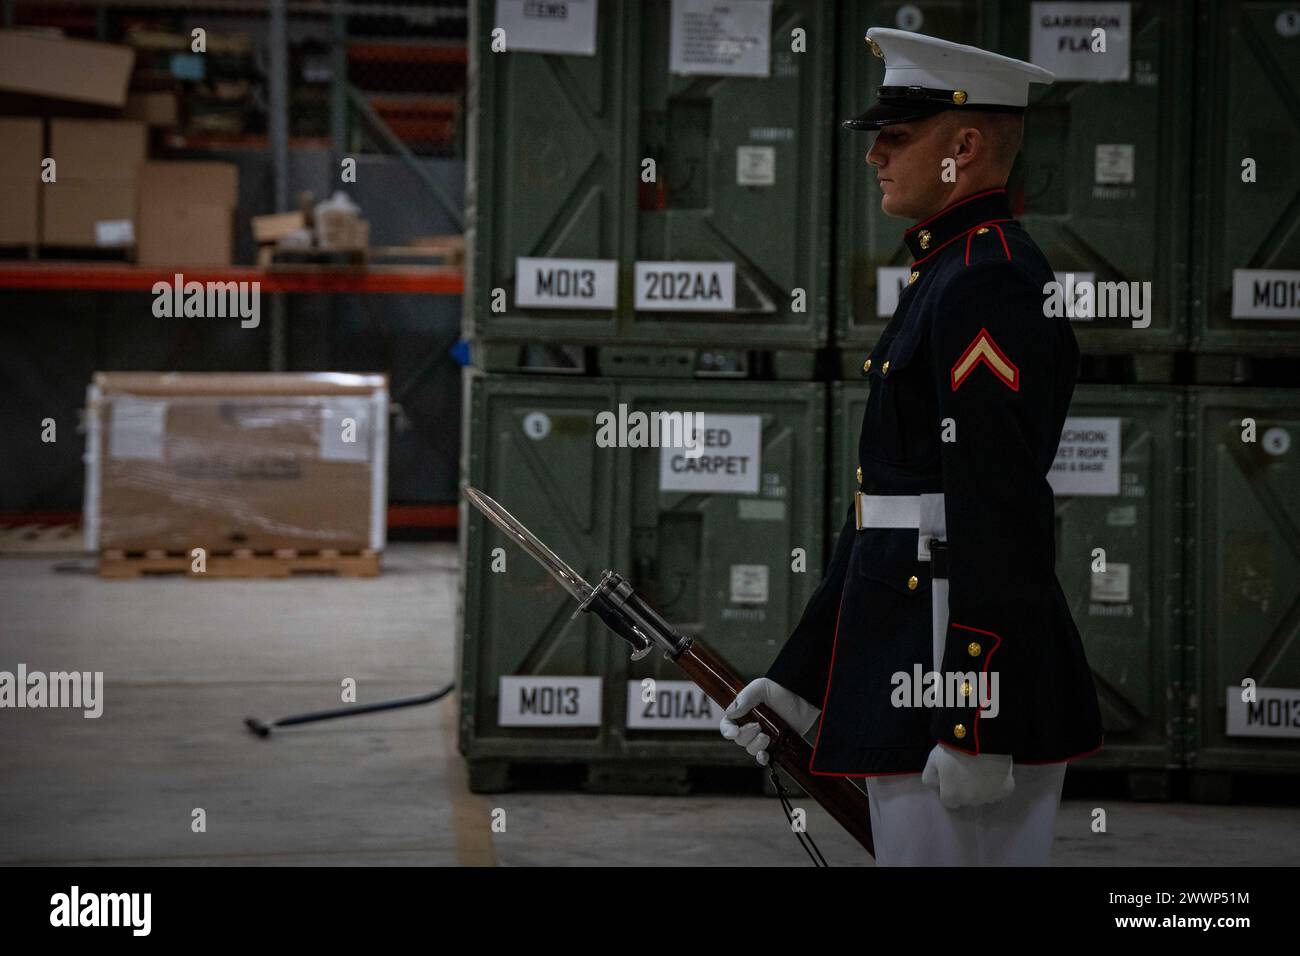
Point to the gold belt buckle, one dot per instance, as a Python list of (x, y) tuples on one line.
[(857, 509)]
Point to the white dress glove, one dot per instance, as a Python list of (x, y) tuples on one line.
[(967, 780), (789, 706)]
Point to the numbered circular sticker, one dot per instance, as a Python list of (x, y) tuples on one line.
[(909, 17), (537, 425), (1287, 23), (1276, 441)]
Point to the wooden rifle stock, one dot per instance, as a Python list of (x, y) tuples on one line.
[(840, 797)]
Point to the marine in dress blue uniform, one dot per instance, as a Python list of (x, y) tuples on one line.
[(946, 557)]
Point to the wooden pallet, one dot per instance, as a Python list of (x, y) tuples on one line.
[(437, 250), (240, 564), (41, 539)]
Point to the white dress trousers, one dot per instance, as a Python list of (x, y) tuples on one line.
[(913, 828)]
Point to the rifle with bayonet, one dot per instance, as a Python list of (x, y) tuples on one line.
[(624, 612)]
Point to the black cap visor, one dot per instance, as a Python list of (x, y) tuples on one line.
[(887, 114), (893, 110)]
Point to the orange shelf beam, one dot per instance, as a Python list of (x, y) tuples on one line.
[(399, 516), (119, 277)]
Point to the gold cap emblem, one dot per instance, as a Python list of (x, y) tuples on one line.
[(875, 47), (925, 238), (959, 97)]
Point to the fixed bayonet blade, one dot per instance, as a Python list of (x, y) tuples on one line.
[(514, 528)]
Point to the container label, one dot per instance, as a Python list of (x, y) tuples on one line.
[(672, 705), (568, 27), (720, 37), (1111, 586), (549, 702), (729, 463), (749, 584), (755, 165), (1266, 294), (1063, 39), (135, 429), (685, 286), (1113, 163), (1087, 459), (1275, 712), (566, 283)]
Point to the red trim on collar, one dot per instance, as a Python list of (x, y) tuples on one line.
[(931, 253), (959, 202)]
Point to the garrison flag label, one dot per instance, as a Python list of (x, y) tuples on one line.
[(985, 350)]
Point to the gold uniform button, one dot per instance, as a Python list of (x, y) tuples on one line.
[(959, 97), (859, 473), (912, 582), (959, 731), (973, 649), (884, 369), (913, 277), (965, 688), (866, 366), (981, 230)]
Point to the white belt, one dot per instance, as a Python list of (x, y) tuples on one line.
[(922, 512)]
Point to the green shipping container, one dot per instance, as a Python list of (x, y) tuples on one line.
[(1101, 210), (1245, 551), (1247, 248), (734, 568), (725, 544), (740, 152)]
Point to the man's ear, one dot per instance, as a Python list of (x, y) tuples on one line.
[(970, 143)]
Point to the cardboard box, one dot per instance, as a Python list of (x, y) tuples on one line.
[(186, 213), (155, 108), (221, 461), (77, 210), (183, 235), (20, 180), (97, 148), (65, 69), (272, 227), (23, 139)]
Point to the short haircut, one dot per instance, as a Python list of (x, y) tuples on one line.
[(1003, 132)]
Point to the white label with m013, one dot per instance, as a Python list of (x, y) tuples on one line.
[(673, 705), (566, 283), (1275, 712), (549, 702), (1265, 294)]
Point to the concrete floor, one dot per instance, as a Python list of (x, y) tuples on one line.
[(185, 661)]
